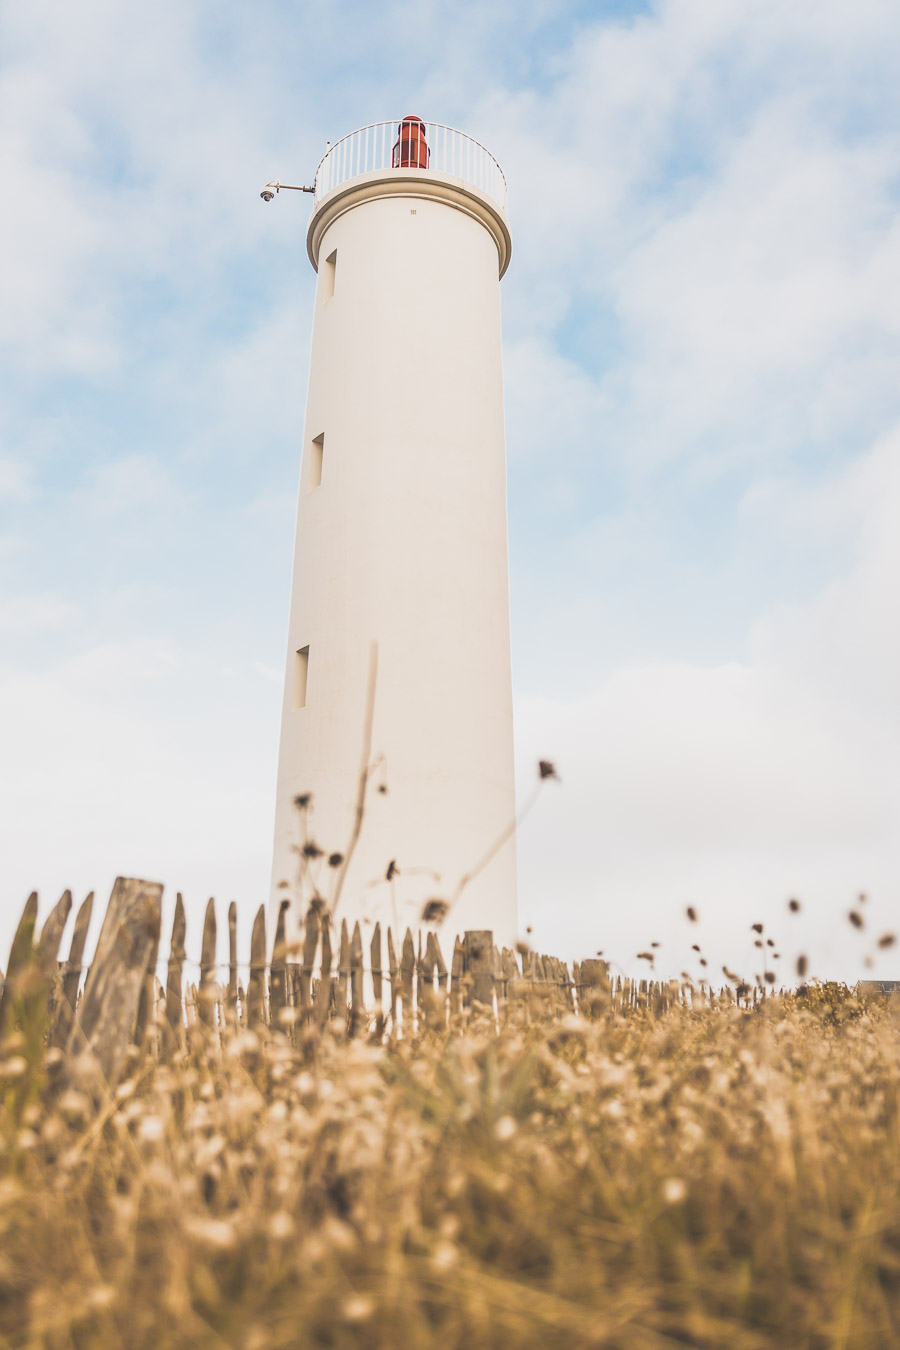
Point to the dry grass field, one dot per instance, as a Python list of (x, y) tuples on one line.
[(714, 1177)]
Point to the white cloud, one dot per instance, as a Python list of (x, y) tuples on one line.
[(732, 787)]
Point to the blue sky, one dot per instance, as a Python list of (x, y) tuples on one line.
[(703, 416)]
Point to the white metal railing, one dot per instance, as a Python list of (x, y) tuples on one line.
[(450, 152)]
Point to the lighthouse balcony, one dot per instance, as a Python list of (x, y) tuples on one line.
[(411, 146)]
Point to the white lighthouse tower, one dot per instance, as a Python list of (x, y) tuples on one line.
[(396, 731)]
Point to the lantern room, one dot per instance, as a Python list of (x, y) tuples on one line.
[(411, 148)]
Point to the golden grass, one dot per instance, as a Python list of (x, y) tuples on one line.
[(710, 1178)]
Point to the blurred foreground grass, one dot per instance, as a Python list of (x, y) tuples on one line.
[(710, 1177)]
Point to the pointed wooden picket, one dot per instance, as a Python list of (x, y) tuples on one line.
[(256, 991), (174, 974), (232, 963), (357, 1004), (375, 962), (71, 974), (206, 1000), (394, 969), (325, 989), (278, 998), (20, 955)]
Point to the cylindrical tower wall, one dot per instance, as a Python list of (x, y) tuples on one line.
[(401, 542)]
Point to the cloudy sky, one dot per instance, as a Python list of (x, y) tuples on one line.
[(702, 331)]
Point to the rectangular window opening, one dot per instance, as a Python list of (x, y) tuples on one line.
[(301, 672), (328, 272), (316, 451)]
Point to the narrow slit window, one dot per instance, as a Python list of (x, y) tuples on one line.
[(316, 451), (328, 276), (301, 674)]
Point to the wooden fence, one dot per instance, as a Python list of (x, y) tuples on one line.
[(329, 978)]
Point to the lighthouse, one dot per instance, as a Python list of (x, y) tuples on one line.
[(395, 792)]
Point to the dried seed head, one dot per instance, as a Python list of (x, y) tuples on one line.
[(756, 927), (546, 769), (694, 947), (645, 956), (770, 977), (856, 918), (794, 906), (311, 850), (691, 913), (303, 801), (335, 859), (435, 911), (703, 961), (770, 942), (757, 943), (887, 940), (392, 870), (802, 966)]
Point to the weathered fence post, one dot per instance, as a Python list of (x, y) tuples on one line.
[(108, 1011), (479, 950)]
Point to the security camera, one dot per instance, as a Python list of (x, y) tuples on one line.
[(268, 192)]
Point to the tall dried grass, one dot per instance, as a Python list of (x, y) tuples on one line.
[(710, 1177)]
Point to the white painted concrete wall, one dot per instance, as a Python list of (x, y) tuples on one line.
[(403, 544)]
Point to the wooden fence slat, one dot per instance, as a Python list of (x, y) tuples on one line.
[(47, 953), (52, 931), (278, 981), (71, 974), (147, 998), (479, 960), (407, 972), (419, 974), (394, 969), (324, 992), (310, 943), (256, 989), (174, 1015), (439, 962), (340, 998), (20, 954), (232, 963), (457, 976), (357, 1004), (108, 1011), (206, 1001), (375, 962)]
